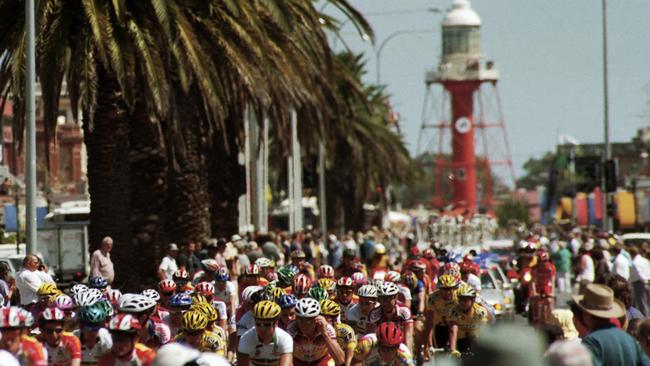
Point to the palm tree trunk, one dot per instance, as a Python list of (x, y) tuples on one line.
[(148, 164), (226, 177), (188, 214), (107, 144)]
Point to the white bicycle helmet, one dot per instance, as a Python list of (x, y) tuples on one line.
[(64, 302), (307, 308), (248, 292), (392, 276), (369, 291), (134, 303), (80, 287), (264, 262), (52, 314), (152, 294), (387, 289), (88, 297)]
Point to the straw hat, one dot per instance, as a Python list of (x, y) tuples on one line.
[(598, 300)]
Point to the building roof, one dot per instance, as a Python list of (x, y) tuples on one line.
[(461, 14)]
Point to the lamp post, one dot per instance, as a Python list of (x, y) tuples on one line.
[(380, 49), (607, 220), (30, 129)]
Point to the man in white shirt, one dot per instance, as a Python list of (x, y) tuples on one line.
[(640, 279), (168, 264), (621, 265), (28, 280)]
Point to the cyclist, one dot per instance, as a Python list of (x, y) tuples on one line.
[(126, 349), (314, 339), (288, 314), (247, 321), (157, 313), (251, 277), (285, 277), (344, 333), (359, 314), (212, 315), (383, 348), (301, 286), (465, 318), (177, 305), (98, 282), (63, 348), (433, 265), (221, 309), (182, 280), (329, 285), (142, 308), (266, 344), (267, 270), (345, 296), (390, 311), (46, 294), (542, 287), (66, 304), (14, 321), (194, 330), (95, 339), (224, 290), (379, 261), (439, 304), (350, 264), (299, 260), (359, 279), (166, 289), (325, 271), (404, 295)]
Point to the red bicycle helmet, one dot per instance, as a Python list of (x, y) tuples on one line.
[(345, 282), (428, 254), (325, 271), (252, 270), (124, 323), (205, 288), (167, 286), (389, 334), (301, 284)]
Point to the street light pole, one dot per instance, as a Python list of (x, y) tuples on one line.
[(30, 127), (378, 50), (607, 220)]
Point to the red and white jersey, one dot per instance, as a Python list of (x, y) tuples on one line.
[(310, 348), (401, 315), (31, 353), (68, 349)]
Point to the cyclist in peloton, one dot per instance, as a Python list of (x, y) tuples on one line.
[(390, 311), (63, 348), (465, 318), (345, 296), (383, 348), (359, 314), (266, 344), (344, 333), (314, 338), (127, 350), (542, 287), (439, 304), (15, 321)]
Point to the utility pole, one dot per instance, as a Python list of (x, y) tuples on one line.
[(30, 126), (322, 204), (607, 220)]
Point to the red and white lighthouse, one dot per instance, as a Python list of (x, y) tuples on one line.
[(461, 73)]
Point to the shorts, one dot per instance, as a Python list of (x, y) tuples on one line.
[(325, 361), (441, 332)]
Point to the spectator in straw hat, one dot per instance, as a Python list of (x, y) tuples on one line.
[(609, 346)]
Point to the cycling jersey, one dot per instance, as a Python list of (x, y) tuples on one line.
[(345, 336), (346, 307), (246, 323), (404, 294), (468, 322), (68, 349), (362, 324), (543, 273), (310, 348), (141, 356), (31, 352), (221, 309), (415, 304), (401, 315), (367, 351), (210, 342), (265, 354), (440, 307), (90, 355)]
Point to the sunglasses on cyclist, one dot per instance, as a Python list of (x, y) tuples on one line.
[(50, 331), (267, 324)]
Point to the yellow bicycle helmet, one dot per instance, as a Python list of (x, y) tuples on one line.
[(211, 342), (266, 310), (194, 320), (206, 309), (48, 289), (329, 308), (327, 284), (466, 290), (277, 292), (447, 281), (198, 298)]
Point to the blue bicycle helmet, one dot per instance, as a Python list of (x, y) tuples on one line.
[(92, 314), (287, 301), (222, 275), (97, 282), (181, 300)]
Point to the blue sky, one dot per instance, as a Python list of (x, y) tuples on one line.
[(549, 56)]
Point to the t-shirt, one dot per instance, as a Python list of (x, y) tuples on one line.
[(562, 260), (588, 269), (168, 266), (101, 265), (610, 346), (265, 353), (68, 349)]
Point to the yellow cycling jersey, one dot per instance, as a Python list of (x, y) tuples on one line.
[(210, 342), (345, 336), (468, 322), (440, 307)]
